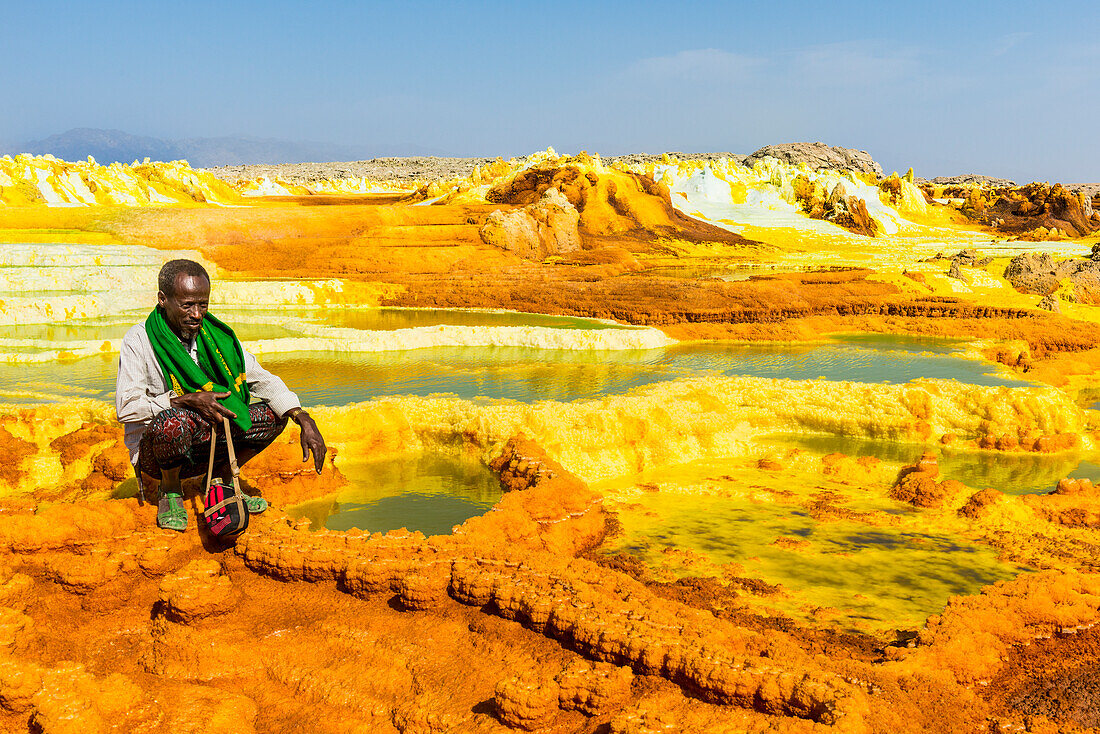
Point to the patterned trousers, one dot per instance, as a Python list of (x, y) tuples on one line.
[(179, 437)]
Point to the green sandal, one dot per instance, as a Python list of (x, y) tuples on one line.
[(171, 514), (255, 505)]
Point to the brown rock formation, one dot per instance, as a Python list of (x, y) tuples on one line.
[(198, 591), (917, 485), (1072, 504), (979, 501), (1042, 275), (546, 227), (818, 155), (1037, 211), (969, 639), (835, 206), (610, 203), (1050, 303), (527, 702), (616, 621), (1051, 685), (12, 452), (971, 179), (523, 464)]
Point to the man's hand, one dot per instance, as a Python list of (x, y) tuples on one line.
[(205, 404), (311, 439)]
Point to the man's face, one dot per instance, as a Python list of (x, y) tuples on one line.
[(185, 309)]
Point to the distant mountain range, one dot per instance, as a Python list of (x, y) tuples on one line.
[(108, 146)]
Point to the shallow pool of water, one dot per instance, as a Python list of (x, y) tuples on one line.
[(875, 577), (1010, 473), (427, 492), (528, 374)]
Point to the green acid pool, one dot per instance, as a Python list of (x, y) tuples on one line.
[(1011, 473), (888, 572), (430, 493), (517, 373)]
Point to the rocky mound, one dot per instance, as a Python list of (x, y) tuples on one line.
[(612, 205), (834, 206), (819, 155), (1091, 190), (1037, 211), (917, 484), (1041, 275), (546, 227), (970, 179)]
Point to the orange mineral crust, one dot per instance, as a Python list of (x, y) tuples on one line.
[(499, 626), (332, 632)]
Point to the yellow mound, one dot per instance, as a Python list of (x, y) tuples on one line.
[(30, 180)]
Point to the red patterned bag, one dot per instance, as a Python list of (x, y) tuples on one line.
[(226, 515)]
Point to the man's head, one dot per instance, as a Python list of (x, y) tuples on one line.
[(184, 296)]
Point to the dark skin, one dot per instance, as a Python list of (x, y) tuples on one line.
[(184, 311)]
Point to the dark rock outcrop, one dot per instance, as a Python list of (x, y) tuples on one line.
[(1036, 273), (1037, 211), (819, 155), (834, 206), (917, 484), (971, 179), (971, 258), (1050, 303), (1040, 274)]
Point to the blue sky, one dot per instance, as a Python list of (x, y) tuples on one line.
[(1008, 89)]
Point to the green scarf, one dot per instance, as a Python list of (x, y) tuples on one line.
[(220, 367)]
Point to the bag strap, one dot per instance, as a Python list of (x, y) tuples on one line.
[(234, 500), (234, 470), (213, 443)]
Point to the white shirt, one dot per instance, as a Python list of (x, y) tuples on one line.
[(141, 390)]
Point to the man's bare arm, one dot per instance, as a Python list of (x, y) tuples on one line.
[(311, 438)]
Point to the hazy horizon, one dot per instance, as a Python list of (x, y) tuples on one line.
[(949, 88)]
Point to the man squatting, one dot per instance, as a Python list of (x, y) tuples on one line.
[(179, 372)]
